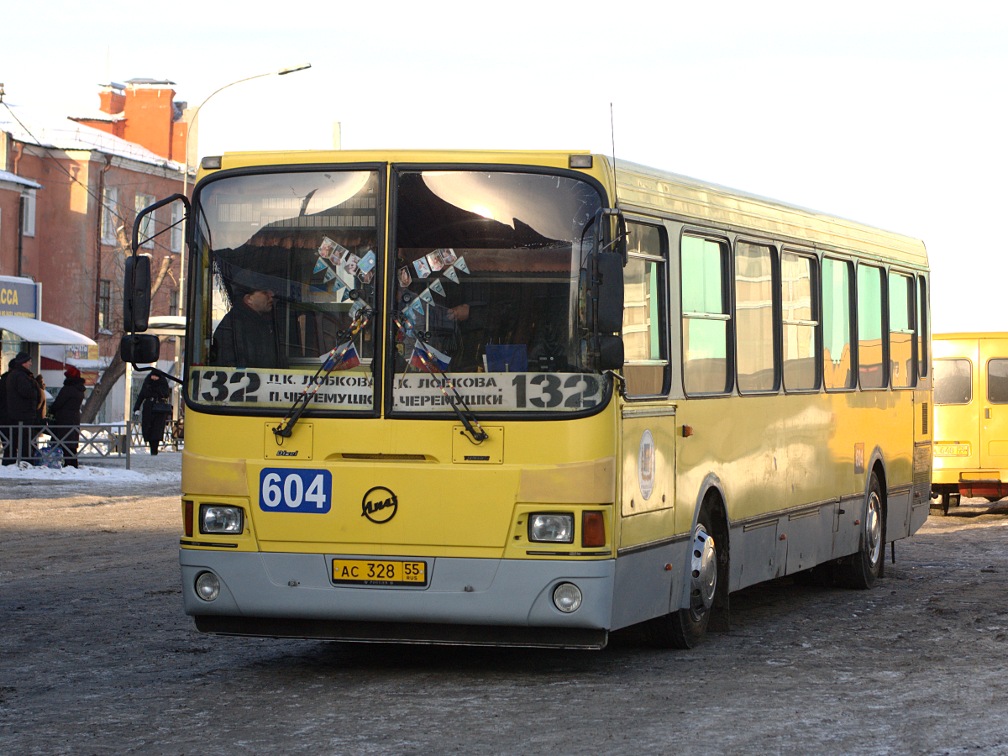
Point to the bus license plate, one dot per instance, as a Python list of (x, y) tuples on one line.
[(379, 572)]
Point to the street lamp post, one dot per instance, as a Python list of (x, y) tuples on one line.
[(185, 190), (189, 131)]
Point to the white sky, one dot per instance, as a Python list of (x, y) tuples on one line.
[(891, 113)]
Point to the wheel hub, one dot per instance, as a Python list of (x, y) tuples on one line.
[(703, 570)]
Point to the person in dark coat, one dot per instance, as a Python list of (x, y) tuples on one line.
[(22, 397), (155, 400), (5, 423), (66, 414), (247, 334)]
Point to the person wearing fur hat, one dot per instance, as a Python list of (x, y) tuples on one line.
[(22, 404), (66, 414)]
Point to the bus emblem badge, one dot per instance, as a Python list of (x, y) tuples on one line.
[(379, 505)]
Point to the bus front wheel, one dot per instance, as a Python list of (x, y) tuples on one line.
[(862, 569), (685, 628)]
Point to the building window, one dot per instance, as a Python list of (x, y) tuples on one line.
[(104, 304), (28, 213), (173, 297), (110, 215), (146, 233), (175, 237)]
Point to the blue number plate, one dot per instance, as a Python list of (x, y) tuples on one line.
[(286, 490)]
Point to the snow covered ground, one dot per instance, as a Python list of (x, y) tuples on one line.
[(98, 476)]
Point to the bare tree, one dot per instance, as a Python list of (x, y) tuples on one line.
[(117, 368)]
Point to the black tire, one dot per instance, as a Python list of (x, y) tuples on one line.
[(685, 628), (863, 568)]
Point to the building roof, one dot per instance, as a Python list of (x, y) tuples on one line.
[(58, 132), (6, 177)]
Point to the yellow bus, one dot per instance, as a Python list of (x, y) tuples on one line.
[(970, 417), (530, 398)]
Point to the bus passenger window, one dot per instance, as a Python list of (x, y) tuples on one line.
[(706, 320), (754, 317), (644, 322), (798, 311), (836, 319), (871, 339), (902, 358)]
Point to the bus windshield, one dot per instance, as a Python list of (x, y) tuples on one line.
[(476, 293)]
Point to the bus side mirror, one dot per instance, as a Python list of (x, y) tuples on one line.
[(140, 348), (609, 293), (136, 294), (610, 352)]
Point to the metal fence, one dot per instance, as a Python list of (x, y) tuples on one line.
[(96, 443)]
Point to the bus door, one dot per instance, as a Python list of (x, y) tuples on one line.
[(993, 431)]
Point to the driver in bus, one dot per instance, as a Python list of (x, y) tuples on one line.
[(247, 334)]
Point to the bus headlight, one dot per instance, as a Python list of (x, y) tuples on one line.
[(207, 586), (567, 597), (545, 527), (219, 518)]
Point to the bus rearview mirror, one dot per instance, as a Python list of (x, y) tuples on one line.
[(136, 294)]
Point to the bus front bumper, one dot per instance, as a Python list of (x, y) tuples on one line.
[(465, 601)]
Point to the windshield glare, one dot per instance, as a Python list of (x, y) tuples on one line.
[(485, 269)]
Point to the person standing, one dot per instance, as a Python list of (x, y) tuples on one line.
[(6, 433), (66, 414), (155, 400), (22, 405)]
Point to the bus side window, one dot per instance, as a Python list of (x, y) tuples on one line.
[(799, 295), (645, 323), (871, 337), (754, 317), (837, 299), (706, 317), (902, 356)]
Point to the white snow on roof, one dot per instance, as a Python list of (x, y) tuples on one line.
[(33, 126), (13, 178)]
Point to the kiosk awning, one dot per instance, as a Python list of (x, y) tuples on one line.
[(42, 332)]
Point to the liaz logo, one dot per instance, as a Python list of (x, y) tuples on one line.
[(379, 505)]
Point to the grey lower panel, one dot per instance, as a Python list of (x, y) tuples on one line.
[(394, 632), (264, 593)]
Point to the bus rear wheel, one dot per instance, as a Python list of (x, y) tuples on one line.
[(863, 568), (685, 628)]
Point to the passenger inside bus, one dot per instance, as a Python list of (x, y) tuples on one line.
[(247, 334)]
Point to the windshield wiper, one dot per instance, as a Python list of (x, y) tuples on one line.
[(329, 363), (432, 365)]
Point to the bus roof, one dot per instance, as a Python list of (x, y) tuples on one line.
[(704, 203), (649, 190)]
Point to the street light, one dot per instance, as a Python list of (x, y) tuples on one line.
[(195, 115)]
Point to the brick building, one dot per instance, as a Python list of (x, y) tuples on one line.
[(70, 188)]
